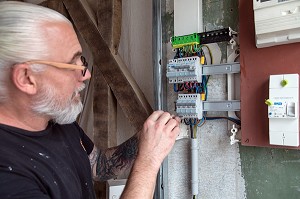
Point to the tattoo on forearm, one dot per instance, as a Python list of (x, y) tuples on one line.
[(122, 157)]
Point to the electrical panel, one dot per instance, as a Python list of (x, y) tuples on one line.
[(283, 109), (276, 22), (184, 70), (189, 74), (189, 106)]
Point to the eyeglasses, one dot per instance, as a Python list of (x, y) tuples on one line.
[(83, 68)]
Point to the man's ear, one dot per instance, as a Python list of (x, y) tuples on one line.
[(24, 79)]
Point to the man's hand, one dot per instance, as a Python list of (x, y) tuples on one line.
[(156, 140)]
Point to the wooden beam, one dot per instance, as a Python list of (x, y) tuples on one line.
[(109, 18), (132, 101), (105, 121), (44, 3), (116, 25), (56, 5), (105, 104), (105, 113), (104, 20)]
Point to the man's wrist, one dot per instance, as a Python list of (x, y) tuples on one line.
[(147, 163)]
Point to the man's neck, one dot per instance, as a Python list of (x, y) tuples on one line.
[(22, 118)]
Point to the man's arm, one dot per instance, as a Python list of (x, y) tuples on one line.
[(146, 150), (155, 142), (112, 162)]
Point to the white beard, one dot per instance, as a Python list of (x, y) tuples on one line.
[(61, 111)]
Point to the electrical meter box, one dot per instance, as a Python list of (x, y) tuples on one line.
[(276, 22), (283, 110)]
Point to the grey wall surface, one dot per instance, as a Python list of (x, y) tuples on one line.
[(219, 163)]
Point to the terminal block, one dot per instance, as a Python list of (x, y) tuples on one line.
[(215, 36), (186, 69), (189, 106), (185, 40)]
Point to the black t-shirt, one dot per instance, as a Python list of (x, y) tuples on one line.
[(48, 164)]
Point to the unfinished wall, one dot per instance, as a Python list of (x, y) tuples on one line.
[(219, 162)]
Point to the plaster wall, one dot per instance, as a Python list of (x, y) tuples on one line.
[(219, 162)]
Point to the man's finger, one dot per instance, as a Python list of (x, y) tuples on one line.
[(160, 117), (172, 124), (155, 115)]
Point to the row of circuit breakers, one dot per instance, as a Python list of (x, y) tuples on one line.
[(183, 70), (189, 69)]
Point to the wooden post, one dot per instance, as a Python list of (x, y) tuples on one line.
[(109, 18)]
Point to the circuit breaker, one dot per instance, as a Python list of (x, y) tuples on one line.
[(283, 109), (184, 70), (189, 106)]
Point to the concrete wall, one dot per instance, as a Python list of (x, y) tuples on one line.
[(219, 162)]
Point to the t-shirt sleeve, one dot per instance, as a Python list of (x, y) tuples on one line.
[(86, 141), (14, 186)]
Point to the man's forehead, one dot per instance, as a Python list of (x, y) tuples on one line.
[(62, 39)]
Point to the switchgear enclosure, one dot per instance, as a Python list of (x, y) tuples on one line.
[(283, 110)]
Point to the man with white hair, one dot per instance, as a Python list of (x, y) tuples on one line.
[(43, 151)]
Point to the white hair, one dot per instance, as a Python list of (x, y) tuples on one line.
[(21, 37)]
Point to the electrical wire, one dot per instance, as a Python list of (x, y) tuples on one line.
[(201, 122), (192, 131), (236, 121), (175, 89), (195, 132), (209, 51)]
